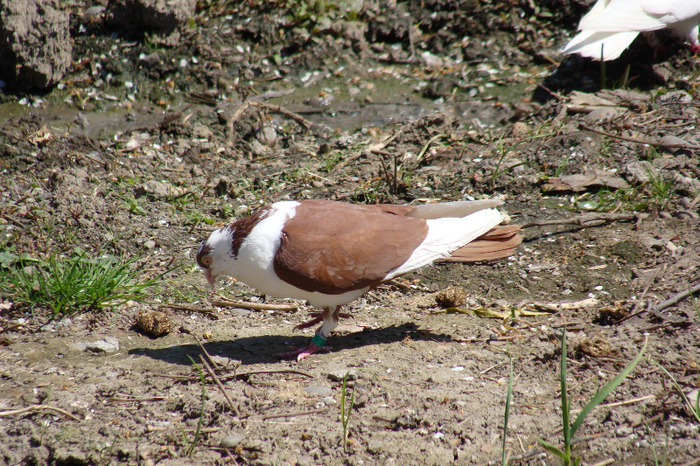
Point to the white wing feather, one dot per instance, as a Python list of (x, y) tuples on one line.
[(613, 24), (446, 235)]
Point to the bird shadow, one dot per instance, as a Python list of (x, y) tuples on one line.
[(264, 349), (635, 69)]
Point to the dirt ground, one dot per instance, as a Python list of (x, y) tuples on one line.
[(151, 142)]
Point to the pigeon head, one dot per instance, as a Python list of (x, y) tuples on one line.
[(218, 253), (213, 254)]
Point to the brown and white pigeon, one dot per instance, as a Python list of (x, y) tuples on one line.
[(330, 253), (611, 25)]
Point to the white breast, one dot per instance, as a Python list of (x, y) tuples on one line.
[(254, 265)]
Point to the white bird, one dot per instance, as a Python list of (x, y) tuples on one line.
[(611, 25), (330, 253)]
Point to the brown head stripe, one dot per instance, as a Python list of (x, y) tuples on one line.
[(204, 249), (242, 228)]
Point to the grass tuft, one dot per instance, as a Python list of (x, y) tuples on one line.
[(506, 415), (71, 285), (569, 429), (693, 408), (345, 417)]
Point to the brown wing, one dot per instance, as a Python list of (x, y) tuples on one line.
[(333, 247), (498, 243)]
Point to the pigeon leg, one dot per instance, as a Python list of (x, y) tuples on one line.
[(330, 318), (318, 317)]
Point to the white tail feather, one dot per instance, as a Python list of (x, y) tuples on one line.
[(453, 209), (446, 235)]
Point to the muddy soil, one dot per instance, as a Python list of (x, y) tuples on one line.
[(149, 143)]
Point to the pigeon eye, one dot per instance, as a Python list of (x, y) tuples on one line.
[(205, 261)]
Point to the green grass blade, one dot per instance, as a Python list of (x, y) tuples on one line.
[(69, 285), (695, 410), (609, 387), (552, 449), (506, 415), (565, 403)]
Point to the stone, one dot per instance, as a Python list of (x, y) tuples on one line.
[(154, 189), (374, 446), (35, 47), (267, 136), (671, 143), (318, 391), (599, 115), (680, 97), (520, 130), (231, 441), (338, 375), (640, 171), (106, 345)]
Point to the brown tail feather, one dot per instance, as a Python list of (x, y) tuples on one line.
[(498, 243)]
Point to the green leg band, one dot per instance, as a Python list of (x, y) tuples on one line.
[(318, 340)]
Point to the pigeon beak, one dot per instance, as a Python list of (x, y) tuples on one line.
[(210, 278)]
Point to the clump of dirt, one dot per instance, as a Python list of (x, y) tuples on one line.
[(151, 143)]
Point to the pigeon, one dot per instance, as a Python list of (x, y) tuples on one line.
[(330, 253), (611, 25)]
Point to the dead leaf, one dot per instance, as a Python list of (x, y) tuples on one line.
[(582, 182)]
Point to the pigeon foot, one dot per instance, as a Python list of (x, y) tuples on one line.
[(304, 352)]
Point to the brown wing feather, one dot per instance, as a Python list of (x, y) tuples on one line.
[(333, 247)]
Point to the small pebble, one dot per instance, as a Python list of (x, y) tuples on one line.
[(267, 135), (231, 441), (107, 345), (338, 375), (318, 391)]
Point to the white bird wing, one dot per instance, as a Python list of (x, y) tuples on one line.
[(592, 43), (672, 11), (639, 15), (612, 25), (446, 235)]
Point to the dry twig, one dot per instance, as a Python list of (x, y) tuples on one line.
[(373, 149), (585, 220), (273, 108), (239, 375), (627, 402), (204, 350), (651, 142), (675, 299), (211, 312), (212, 374), (132, 399), (298, 413), (29, 409), (225, 302)]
